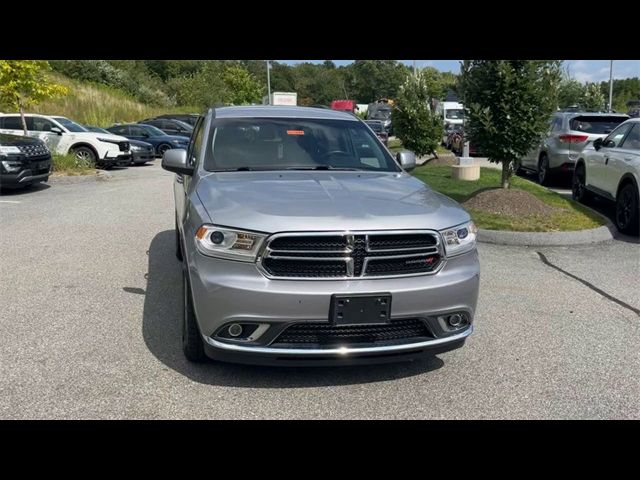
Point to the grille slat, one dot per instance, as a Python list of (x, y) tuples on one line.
[(308, 334), (349, 255), (34, 150)]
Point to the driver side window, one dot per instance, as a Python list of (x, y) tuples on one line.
[(615, 138)]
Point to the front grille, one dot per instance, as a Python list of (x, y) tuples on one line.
[(124, 146), (311, 334), (34, 150), (346, 255)]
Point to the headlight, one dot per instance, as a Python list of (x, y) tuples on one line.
[(135, 148), (9, 150), (460, 239), (179, 142), (228, 243), (106, 140)]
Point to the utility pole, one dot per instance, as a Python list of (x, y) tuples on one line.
[(415, 72), (269, 81), (610, 85)]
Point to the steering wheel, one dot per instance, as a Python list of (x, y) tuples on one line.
[(331, 153)]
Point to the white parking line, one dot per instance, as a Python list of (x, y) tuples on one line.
[(9, 201)]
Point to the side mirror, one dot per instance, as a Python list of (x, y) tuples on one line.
[(597, 143), (175, 160), (56, 130), (407, 160)]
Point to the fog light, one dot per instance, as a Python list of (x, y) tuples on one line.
[(235, 330), (455, 320)]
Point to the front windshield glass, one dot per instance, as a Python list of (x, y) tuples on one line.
[(70, 125), (289, 143), (455, 114)]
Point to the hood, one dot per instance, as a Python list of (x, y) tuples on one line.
[(96, 135), (138, 143), (171, 137), (9, 140), (320, 200)]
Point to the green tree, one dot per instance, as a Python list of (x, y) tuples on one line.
[(24, 83), (419, 127), (508, 105), (570, 93), (592, 98), (241, 86), (370, 80)]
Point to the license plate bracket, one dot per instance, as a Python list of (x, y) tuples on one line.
[(360, 309)]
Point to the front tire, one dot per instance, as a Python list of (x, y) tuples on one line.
[(163, 147), (544, 175), (192, 343), (628, 210), (85, 154)]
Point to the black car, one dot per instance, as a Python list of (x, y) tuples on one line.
[(150, 134), (141, 152), (190, 118), (23, 161), (170, 126)]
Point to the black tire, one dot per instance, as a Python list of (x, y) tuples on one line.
[(85, 154), (163, 147), (579, 190), (544, 175), (178, 244), (192, 343), (517, 168), (628, 210)]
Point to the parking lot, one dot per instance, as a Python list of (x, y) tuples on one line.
[(91, 303)]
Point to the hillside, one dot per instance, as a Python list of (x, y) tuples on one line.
[(99, 105)]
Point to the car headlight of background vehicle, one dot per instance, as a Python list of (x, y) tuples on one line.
[(459, 239), (228, 243), (106, 140), (179, 142), (135, 148), (9, 150)]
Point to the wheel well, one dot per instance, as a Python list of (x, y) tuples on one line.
[(626, 180), (542, 154), (77, 145)]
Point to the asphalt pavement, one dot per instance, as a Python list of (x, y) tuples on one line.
[(91, 301)]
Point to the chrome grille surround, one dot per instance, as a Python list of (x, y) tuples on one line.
[(356, 259)]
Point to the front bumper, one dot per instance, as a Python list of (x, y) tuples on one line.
[(25, 177), (234, 292), (143, 156), (120, 160)]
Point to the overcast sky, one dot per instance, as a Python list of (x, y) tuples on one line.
[(581, 70)]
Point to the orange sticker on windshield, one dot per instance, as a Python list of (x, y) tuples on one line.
[(295, 132)]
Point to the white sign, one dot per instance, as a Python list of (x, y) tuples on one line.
[(285, 98)]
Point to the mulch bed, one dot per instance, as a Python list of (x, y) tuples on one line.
[(511, 202)]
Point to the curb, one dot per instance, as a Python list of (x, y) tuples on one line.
[(602, 234), (99, 176)]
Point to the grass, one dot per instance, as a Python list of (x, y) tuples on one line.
[(99, 105), (395, 146), (69, 165), (571, 215)]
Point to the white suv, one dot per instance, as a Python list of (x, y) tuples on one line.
[(610, 168), (64, 136)]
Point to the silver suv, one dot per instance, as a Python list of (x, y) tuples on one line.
[(304, 241), (569, 133)]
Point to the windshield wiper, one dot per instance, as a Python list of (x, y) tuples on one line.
[(325, 167)]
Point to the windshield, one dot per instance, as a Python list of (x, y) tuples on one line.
[(97, 129), (456, 114), (286, 143), (184, 124), (595, 124), (381, 114), (151, 130), (70, 125)]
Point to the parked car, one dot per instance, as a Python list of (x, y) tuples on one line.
[(64, 136), (150, 134), (170, 126), (569, 133), (378, 127), (23, 161), (190, 118), (381, 111), (610, 168), (141, 152), (304, 241)]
